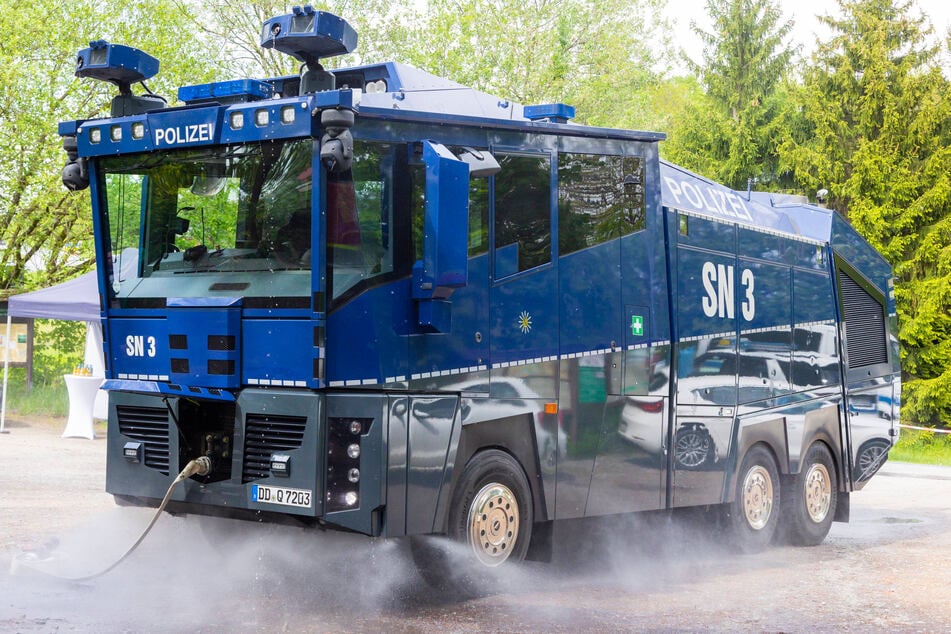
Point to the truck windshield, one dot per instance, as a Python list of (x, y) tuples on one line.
[(226, 209)]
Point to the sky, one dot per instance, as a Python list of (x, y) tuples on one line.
[(803, 12)]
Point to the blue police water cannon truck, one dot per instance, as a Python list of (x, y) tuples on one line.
[(376, 300)]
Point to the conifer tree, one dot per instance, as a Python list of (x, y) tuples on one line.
[(874, 133)]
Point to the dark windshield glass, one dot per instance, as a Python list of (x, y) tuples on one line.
[(226, 209)]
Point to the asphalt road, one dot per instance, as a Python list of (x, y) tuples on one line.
[(885, 571)]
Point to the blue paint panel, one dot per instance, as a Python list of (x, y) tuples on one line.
[(708, 234), (139, 348), (812, 256), (375, 336), (445, 226), (161, 130), (767, 246), (684, 190), (170, 389), (525, 316), (205, 346), (762, 295), (693, 319), (278, 352), (208, 125), (506, 260), (589, 293), (467, 344), (636, 284), (363, 340), (285, 118), (813, 298)]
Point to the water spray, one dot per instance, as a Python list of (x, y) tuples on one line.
[(199, 466)]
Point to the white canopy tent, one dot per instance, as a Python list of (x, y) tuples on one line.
[(74, 300)]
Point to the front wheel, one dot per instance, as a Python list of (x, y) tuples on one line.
[(809, 507), (491, 518), (753, 515)]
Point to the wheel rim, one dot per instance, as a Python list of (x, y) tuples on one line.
[(870, 457), (692, 449), (757, 497), (818, 492), (493, 523)]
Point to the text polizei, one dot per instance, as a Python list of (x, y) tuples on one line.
[(194, 133)]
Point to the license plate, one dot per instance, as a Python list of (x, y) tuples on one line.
[(300, 498)]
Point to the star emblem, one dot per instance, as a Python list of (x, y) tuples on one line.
[(525, 322)]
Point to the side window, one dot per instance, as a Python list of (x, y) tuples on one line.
[(522, 213), (599, 198), (478, 216), (360, 209)]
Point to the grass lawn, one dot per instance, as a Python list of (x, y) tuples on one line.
[(923, 447)]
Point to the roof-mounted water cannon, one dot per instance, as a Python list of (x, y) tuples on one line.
[(122, 66), (309, 36)]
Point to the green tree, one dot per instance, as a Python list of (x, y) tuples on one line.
[(234, 28), (874, 132), (731, 134), (596, 55), (44, 229)]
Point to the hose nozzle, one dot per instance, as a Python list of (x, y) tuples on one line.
[(199, 466)]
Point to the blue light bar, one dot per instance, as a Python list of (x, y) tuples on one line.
[(115, 62), (308, 35), (553, 112), (227, 92)]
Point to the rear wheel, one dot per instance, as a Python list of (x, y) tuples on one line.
[(490, 518), (753, 515), (809, 505)]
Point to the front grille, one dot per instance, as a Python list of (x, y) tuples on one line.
[(265, 434), (148, 425), (865, 324)]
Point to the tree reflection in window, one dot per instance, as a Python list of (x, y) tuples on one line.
[(522, 213), (599, 198)]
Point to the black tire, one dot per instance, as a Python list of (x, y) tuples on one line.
[(808, 504), (490, 521), (753, 516), (870, 458), (694, 448)]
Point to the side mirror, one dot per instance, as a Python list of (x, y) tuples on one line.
[(445, 262), (481, 162)]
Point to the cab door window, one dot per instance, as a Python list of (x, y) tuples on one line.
[(522, 213)]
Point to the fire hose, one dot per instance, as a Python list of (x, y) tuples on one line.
[(198, 466)]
